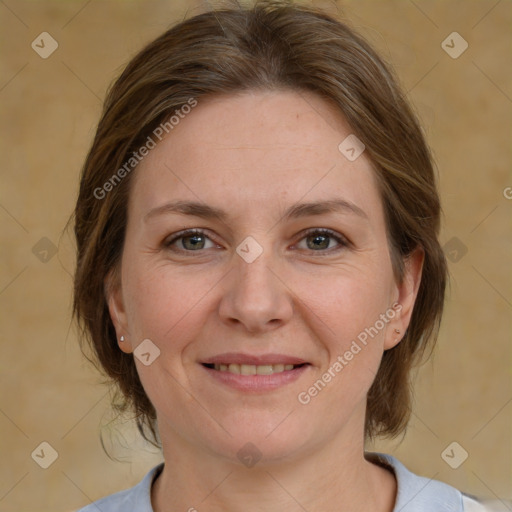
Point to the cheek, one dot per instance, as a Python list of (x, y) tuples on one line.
[(346, 302), (351, 311), (159, 303), (351, 333), (169, 305), (166, 308)]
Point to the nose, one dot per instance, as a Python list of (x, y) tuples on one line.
[(255, 295)]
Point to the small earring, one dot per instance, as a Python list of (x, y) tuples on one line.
[(397, 331), (121, 338)]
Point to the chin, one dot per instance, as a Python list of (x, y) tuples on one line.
[(254, 441)]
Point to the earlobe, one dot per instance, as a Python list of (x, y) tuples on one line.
[(114, 296), (393, 339), (407, 293), (124, 345)]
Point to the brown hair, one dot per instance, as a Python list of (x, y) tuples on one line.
[(271, 45)]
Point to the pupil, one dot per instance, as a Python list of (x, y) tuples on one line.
[(321, 237), (194, 240)]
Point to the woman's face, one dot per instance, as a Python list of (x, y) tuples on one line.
[(273, 276)]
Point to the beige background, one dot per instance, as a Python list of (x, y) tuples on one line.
[(49, 111)]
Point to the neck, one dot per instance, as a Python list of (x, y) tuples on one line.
[(335, 477)]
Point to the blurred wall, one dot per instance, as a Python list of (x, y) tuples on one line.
[(50, 107)]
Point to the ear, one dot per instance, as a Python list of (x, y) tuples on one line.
[(407, 293), (114, 296)]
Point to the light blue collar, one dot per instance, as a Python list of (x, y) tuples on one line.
[(415, 493)]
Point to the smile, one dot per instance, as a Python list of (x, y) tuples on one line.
[(251, 369), (251, 378)]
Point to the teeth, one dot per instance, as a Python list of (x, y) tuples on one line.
[(251, 369), (247, 369)]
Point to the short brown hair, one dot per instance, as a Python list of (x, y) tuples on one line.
[(270, 45)]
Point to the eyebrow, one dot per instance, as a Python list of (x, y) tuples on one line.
[(204, 211)]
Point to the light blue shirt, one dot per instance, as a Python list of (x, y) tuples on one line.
[(414, 493)]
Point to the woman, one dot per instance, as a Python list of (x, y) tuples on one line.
[(258, 265)]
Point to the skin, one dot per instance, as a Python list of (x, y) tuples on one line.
[(254, 155)]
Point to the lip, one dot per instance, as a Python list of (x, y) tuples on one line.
[(256, 383), (263, 359)]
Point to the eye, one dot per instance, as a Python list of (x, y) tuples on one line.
[(192, 240), (319, 240), (195, 240)]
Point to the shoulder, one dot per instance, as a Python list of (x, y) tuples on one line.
[(420, 494), (137, 498)]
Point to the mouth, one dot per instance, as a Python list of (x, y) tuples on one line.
[(252, 369), (254, 374)]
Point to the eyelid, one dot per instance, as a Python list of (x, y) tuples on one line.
[(341, 239), (187, 232)]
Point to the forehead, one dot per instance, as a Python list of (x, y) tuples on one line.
[(255, 149)]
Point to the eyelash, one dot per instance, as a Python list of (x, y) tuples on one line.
[(343, 242)]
